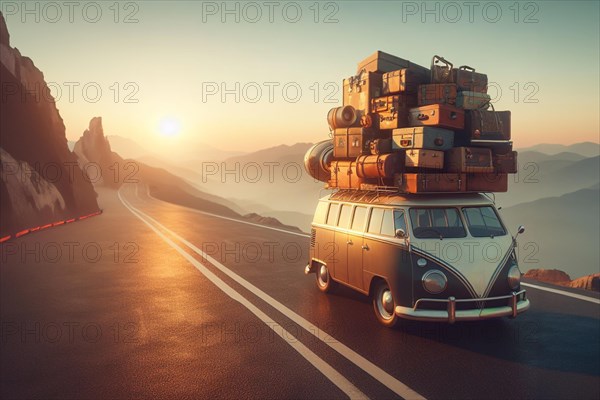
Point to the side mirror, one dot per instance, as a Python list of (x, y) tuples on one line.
[(400, 233), (521, 229)]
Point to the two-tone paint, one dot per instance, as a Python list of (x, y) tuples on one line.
[(476, 268)]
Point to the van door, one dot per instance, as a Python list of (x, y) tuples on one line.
[(356, 248), (342, 240)]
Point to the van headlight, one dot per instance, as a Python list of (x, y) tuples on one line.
[(434, 281), (514, 277)]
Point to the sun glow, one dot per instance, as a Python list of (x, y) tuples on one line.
[(169, 127)]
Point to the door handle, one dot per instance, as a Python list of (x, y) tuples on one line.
[(349, 241), (365, 247)]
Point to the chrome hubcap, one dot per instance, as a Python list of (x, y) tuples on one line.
[(323, 275), (387, 301)]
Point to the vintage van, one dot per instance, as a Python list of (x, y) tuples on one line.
[(422, 257)]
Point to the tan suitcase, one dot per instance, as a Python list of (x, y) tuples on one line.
[(391, 112), (430, 182), (424, 158), (469, 159), (344, 175), (402, 81), (359, 90), (438, 115), (352, 142), (379, 166), (384, 62), (437, 93)]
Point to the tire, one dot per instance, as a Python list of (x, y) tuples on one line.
[(384, 304), (324, 281)]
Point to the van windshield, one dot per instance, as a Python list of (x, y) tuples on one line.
[(483, 222), (436, 223)]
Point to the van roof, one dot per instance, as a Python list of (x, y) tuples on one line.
[(411, 200)]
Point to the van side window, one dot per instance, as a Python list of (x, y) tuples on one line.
[(375, 221), (387, 227), (345, 214), (399, 221), (321, 213), (358, 222), (333, 213)]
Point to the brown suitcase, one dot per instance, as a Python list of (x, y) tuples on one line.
[(430, 182), (352, 142), (402, 80), (384, 62), (491, 182), (344, 176), (465, 77), (439, 115), (391, 112), (380, 146), (424, 158), (505, 163), (379, 166), (469, 159), (487, 125), (359, 90), (437, 93)]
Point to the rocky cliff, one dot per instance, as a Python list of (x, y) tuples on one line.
[(558, 277), (40, 181)]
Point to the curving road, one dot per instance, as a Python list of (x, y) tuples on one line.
[(155, 300)]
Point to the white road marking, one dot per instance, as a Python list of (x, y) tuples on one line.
[(330, 373), (376, 372), (556, 291), (562, 292)]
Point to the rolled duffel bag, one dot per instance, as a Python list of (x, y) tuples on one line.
[(379, 166)]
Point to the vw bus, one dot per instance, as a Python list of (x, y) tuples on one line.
[(421, 257)]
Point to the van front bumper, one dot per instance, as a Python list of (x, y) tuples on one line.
[(513, 307)]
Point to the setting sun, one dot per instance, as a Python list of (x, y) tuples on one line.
[(169, 127)]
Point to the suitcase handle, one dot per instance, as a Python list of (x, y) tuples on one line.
[(447, 65), (422, 117)]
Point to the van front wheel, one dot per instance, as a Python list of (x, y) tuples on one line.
[(384, 305), (324, 281)]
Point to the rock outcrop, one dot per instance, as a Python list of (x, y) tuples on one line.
[(40, 181), (558, 277)]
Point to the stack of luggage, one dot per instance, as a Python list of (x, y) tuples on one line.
[(419, 130)]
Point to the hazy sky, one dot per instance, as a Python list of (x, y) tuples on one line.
[(542, 58)]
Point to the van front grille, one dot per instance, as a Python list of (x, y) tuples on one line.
[(313, 236)]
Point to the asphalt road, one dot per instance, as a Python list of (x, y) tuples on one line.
[(155, 300)]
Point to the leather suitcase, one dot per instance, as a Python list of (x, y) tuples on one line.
[(442, 71), (424, 158), (424, 137), (467, 79), (384, 62), (391, 112), (380, 146), (359, 90), (430, 182), (351, 142), (439, 115), (491, 182), (379, 166), (487, 125), (344, 176), (473, 100), (437, 93), (469, 159), (402, 81), (505, 163)]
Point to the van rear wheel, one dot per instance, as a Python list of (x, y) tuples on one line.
[(324, 281), (384, 304)]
